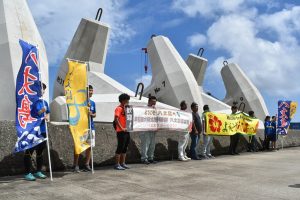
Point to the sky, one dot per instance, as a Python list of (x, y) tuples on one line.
[(261, 36)]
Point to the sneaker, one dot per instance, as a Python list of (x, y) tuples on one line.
[(152, 161), (125, 166), (145, 162), (211, 156), (182, 159), (29, 177), (76, 169), (187, 158), (40, 175), (118, 167), (87, 168), (206, 157)]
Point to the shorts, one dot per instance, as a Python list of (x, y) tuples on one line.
[(272, 138), (89, 140), (123, 139)]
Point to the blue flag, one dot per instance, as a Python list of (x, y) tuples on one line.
[(284, 117), (28, 91)]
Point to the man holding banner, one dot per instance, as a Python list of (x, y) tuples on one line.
[(148, 139), (183, 140), (234, 139), (39, 109), (30, 117), (76, 97), (123, 136)]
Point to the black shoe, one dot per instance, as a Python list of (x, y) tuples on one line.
[(196, 158), (87, 168), (145, 162), (236, 153), (152, 161)]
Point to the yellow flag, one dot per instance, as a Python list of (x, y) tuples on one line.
[(293, 109), (224, 124), (76, 96)]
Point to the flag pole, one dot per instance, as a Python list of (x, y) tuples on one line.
[(90, 119), (46, 126)]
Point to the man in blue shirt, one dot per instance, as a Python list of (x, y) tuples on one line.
[(91, 141), (40, 109), (273, 136)]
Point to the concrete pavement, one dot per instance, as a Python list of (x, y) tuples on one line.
[(259, 176)]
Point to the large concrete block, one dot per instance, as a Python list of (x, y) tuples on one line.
[(172, 80), (240, 89), (16, 22), (215, 104), (197, 64), (89, 44)]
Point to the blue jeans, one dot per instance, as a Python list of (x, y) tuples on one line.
[(194, 144)]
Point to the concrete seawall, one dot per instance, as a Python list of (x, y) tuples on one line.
[(61, 144)]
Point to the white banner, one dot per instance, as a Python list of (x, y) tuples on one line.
[(155, 119)]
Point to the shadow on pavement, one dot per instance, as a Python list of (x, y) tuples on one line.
[(295, 186)]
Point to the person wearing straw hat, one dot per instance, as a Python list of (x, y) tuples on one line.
[(39, 108)]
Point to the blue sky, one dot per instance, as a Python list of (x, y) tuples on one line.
[(263, 37)]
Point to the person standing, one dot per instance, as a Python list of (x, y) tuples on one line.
[(183, 139), (273, 136), (252, 139), (40, 109), (268, 132), (196, 131), (91, 141), (123, 136), (207, 139), (234, 139), (148, 140)]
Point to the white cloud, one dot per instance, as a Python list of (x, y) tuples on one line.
[(196, 40), (173, 23), (266, 46), (58, 20), (268, 64), (145, 79), (206, 8)]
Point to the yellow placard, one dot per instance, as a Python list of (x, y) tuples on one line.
[(76, 97), (225, 124)]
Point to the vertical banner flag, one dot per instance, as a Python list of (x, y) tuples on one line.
[(76, 97), (286, 111), (28, 90)]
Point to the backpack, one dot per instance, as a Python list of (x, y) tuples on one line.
[(114, 123)]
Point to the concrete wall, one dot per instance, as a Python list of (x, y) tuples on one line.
[(62, 146)]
